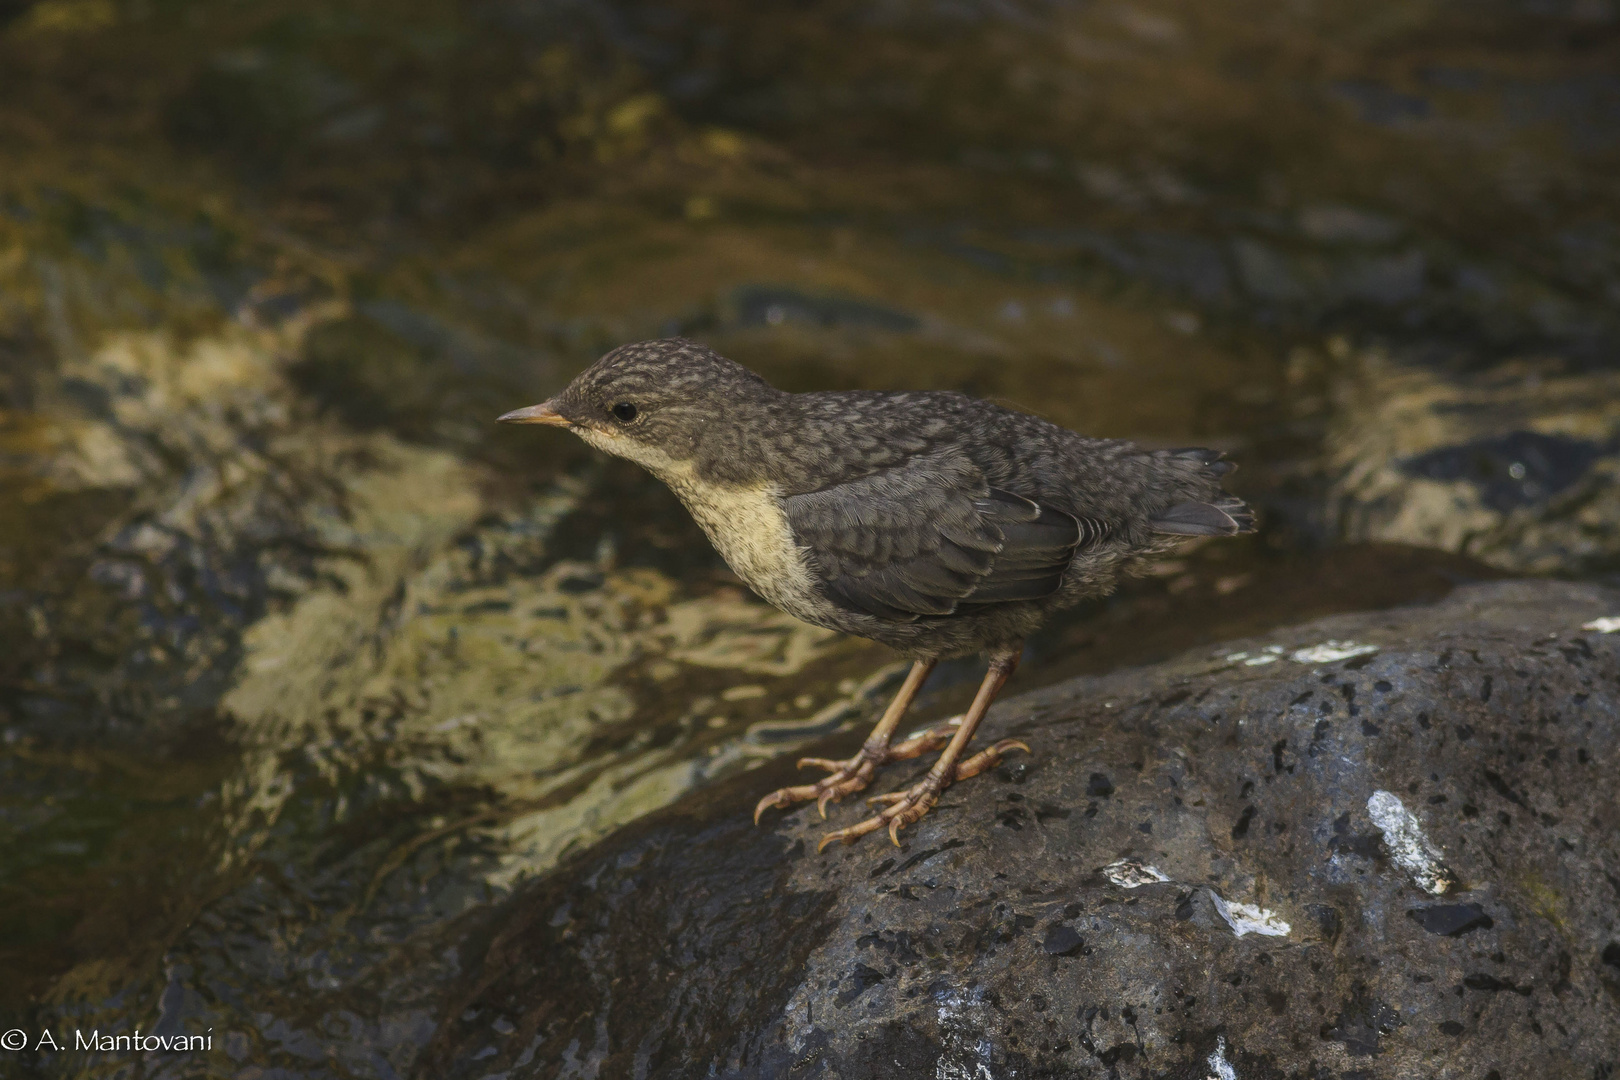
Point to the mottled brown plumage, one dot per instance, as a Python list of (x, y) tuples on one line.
[(933, 522)]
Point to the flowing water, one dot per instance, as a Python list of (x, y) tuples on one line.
[(305, 659)]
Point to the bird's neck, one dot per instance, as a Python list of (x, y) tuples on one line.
[(723, 462)]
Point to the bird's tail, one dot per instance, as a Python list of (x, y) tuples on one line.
[(1220, 514)]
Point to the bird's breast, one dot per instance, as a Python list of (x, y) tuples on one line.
[(745, 524), (749, 529)]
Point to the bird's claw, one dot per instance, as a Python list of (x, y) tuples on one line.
[(902, 808), (784, 797), (844, 778), (854, 774)]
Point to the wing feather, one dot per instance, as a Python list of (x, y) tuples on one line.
[(930, 534)]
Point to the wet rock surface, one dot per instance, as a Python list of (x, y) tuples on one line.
[(1375, 845), (1515, 465), (303, 661)]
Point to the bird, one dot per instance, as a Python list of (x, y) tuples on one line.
[(936, 523)]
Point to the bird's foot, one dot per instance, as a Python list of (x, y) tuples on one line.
[(902, 808), (854, 774)]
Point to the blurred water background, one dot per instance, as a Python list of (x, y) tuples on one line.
[(304, 659)]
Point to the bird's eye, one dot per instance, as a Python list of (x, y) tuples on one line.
[(624, 412)]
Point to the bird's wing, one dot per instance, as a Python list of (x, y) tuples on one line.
[(929, 535)]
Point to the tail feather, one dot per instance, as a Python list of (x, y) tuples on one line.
[(1217, 514), (1213, 461), (1227, 517), (1201, 454)]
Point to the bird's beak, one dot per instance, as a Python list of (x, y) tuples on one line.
[(535, 414)]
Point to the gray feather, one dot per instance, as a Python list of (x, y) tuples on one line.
[(1226, 518), (928, 534)]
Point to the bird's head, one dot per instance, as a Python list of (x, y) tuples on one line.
[(663, 404)]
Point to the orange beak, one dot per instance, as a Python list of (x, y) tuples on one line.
[(534, 414)]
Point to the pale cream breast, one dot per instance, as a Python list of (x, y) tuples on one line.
[(745, 524)]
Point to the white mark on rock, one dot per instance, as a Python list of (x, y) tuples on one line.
[(1607, 625), (958, 1070), (1219, 1067), (1248, 919), (1268, 655), (1329, 651), (1133, 873), (1325, 653), (964, 1055), (1408, 846), (949, 1004)]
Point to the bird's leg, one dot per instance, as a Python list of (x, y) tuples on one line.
[(904, 807), (848, 777)]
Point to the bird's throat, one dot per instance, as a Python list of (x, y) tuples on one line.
[(745, 523)]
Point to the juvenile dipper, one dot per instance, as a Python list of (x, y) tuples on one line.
[(933, 522)]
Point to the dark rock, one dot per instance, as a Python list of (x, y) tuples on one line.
[(1362, 1022), (1451, 920), (693, 944), (1062, 941), (859, 981), (1520, 468), (1491, 984)]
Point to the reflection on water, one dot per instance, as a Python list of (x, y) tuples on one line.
[(304, 658)]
